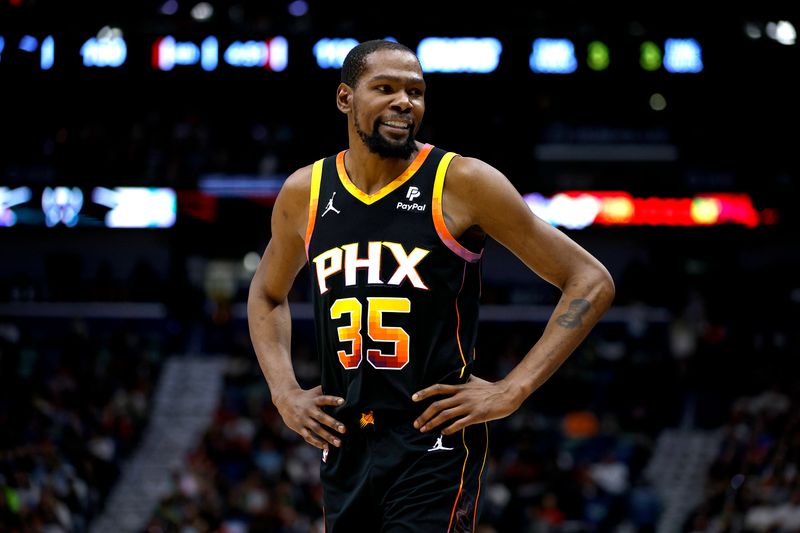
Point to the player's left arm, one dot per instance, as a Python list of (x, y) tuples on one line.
[(476, 194)]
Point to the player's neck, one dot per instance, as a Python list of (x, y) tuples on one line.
[(370, 172)]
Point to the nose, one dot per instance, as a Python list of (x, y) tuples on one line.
[(402, 102)]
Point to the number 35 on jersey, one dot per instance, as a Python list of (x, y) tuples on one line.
[(346, 259)]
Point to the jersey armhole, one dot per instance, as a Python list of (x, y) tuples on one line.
[(316, 176), (438, 213)]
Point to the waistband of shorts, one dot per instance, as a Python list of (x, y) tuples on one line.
[(375, 419)]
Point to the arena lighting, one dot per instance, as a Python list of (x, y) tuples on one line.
[(2, 45), (8, 199), (650, 56), (330, 53), (137, 207), (782, 31), (752, 30), (271, 54), (580, 209), (463, 54), (598, 57), (683, 56), (298, 8), (202, 11), (121, 207), (107, 49), (250, 261), (240, 186), (553, 56), (170, 7), (209, 53), (62, 205), (48, 52), (167, 52), (28, 43)]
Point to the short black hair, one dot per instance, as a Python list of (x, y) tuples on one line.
[(356, 60)]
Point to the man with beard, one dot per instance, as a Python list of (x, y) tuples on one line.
[(393, 230)]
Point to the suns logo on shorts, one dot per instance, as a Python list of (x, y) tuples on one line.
[(367, 419)]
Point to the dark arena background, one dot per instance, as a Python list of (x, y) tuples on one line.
[(141, 148)]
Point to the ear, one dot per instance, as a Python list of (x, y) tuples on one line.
[(344, 98)]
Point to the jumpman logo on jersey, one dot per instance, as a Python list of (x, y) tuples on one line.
[(330, 207), (438, 445)]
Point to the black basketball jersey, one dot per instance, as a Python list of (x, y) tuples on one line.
[(395, 295)]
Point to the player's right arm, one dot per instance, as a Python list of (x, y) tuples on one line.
[(270, 321)]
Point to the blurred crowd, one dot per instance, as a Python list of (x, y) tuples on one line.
[(74, 400), (138, 146), (754, 482)]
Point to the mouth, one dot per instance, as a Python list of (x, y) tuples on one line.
[(396, 125)]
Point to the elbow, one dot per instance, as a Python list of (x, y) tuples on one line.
[(253, 295), (256, 298), (605, 288), (260, 300), (593, 283)]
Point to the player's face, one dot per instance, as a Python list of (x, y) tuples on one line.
[(389, 102)]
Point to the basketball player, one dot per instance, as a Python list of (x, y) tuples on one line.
[(392, 230)]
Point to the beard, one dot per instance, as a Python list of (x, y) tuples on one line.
[(383, 147)]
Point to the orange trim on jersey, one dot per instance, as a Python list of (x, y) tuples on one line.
[(316, 177), (458, 324), (370, 199), (461, 483), (480, 474), (438, 214)]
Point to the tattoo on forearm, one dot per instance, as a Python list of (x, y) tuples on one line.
[(573, 317)]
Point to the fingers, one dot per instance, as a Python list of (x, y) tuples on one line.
[(456, 426), (329, 421), (315, 425), (434, 390), (434, 412), (325, 399), (329, 400), (313, 439), (443, 417), (325, 418), (318, 431), (423, 422)]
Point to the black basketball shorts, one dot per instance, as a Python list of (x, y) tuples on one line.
[(388, 477)]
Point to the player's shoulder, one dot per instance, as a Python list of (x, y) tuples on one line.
[(296, 188), (465, 165), (293, 198), (299, 180), (468, 173)]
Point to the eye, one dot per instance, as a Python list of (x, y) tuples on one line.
[(383, 89)]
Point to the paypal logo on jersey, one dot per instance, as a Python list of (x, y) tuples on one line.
[(411, 195)]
